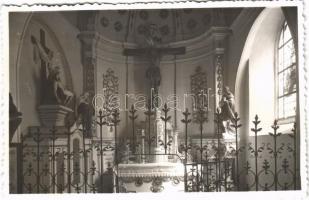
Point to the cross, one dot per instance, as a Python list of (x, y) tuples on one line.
[(159, 50), (43, 62), (45, 58), (154, 53)]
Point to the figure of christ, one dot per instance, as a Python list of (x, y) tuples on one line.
[(153, 54), (53, 90), (153, 75)]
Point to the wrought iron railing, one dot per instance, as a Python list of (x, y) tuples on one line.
[(209, 165)]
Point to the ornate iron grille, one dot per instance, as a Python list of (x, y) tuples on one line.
[(208, 166)]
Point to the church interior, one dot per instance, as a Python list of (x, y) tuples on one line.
[(154, 100)]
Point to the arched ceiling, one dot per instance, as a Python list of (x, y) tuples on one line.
[(171, 24)]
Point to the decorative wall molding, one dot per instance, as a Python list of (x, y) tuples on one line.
[(218, 76), (89, 43), (220, 45), (200, 90), (110, 87)]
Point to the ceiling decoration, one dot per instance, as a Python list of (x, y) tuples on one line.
[(104, 21), (143, 15), (165, 30), (118, 26), (206, 19), (172, 24), (141, 29), (191, 24)]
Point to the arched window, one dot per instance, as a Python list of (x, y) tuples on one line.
[(286, 77)]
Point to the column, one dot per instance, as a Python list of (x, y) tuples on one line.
[(89, 58)]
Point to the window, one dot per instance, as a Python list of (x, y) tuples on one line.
[(286, 76)]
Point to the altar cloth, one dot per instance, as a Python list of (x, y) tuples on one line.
[(164, 169)]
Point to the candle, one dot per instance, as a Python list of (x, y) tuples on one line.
[(208, 93), (143, 146), (143, 132)]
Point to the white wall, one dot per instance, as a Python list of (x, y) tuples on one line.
[(255, 95), (236, 42), (259, 56)]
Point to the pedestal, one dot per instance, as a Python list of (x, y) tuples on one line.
[(53, 115)]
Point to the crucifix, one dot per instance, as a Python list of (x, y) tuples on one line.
[(52, 89), (153, 53), (45, 55)]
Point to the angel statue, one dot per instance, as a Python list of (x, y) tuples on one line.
[(227, 107)]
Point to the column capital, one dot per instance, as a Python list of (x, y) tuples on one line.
[(219, 36)]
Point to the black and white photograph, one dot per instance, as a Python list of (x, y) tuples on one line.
[(156, 100)]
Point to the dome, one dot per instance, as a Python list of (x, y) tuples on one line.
[(169, 25)]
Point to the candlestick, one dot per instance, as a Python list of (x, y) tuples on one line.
[(208, 93), (143, 146)]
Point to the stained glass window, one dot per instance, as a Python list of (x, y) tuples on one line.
[(286, 75)]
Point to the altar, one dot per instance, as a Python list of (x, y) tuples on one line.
[(151, 177), (160, 167)]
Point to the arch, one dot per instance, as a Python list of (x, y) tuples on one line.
[(17, 57), (258, 59), (66, 68), (31, 16), (16, 95)]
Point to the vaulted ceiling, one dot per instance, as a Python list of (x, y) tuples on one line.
[(171, 24)]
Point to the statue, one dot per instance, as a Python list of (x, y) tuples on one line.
[(227, 107), (52, 89), (153, 73), (153, 51), (85, 113), (56, 90)]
